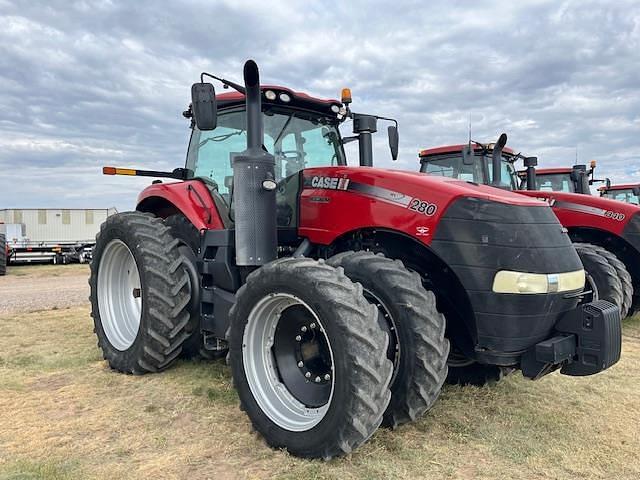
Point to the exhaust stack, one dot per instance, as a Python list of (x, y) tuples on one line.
[(496, 160), (530, 163), (254, 196)]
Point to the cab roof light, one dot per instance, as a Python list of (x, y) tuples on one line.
[(346, 96)]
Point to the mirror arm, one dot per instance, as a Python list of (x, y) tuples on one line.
[(346, 140), (226, 83)]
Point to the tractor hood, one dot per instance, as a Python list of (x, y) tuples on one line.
[(415, 184), (577, 210), (336, 200)]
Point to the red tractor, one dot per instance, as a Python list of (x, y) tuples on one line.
[(606, 233), (336, 291), (575, 179), (628, 193)]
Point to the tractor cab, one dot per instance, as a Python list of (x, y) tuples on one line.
[(575, 179), (629, 193), (300, 131), (472, 163)]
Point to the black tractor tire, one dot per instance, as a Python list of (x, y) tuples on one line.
[(3, 255), (623, 275), (416, 330), (476, 374), (602, 277), (349, 325), (164, 291), (187, 233)]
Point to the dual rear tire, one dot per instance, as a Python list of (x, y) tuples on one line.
[(140, 293)]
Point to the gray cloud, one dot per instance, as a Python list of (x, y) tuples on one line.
[(84, 84)]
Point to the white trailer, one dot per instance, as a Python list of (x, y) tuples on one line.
[(51, 234)]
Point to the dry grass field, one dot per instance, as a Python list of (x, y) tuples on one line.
[(65, 415)]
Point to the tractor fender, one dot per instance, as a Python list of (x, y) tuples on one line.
[(190, 198)]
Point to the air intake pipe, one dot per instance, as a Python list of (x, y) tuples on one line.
[(496, 160), (254, 196)]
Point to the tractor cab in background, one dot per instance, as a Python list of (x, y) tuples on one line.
[(606, 233), (629, 193), (575, 179)]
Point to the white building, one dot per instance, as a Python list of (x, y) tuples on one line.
[(53, 225)]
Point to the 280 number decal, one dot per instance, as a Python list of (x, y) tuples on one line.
[(423, 207)]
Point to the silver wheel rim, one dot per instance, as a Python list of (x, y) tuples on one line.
[(260, 368), (119, 295)]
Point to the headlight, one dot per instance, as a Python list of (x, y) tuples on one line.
[(522, 282)]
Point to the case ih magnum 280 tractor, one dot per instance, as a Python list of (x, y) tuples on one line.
[(336, 290), (606, 233)]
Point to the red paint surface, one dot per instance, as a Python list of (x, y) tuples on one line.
[(336, 212), (198, 208), (572, 218)]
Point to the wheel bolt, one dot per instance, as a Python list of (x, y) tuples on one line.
[(298, 338), (327, 376), (303, 328), (317, 379), (308, 374), (300, 364), (313, 325)]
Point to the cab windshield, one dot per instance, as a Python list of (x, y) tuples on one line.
[(623, 195), (480, 171), (297, 139), (553, 182)]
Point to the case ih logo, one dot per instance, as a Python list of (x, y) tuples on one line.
[(330, 183)]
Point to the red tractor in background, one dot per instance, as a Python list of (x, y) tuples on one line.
[(335, 291), (628, 193), (575, 179), (606, 233)]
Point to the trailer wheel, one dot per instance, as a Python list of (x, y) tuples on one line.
[(3, 255), (623, 275), (601, 277), (187, 233), (309, 358), (140, 293), (416, 330)]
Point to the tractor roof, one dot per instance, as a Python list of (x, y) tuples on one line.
[(623, 186), (457, 148), (298, 99), (550, 171)]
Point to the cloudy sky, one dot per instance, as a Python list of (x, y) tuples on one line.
[(91, 83)]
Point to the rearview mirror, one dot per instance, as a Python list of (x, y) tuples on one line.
[(204, 106), (394, 141), (467, 155)]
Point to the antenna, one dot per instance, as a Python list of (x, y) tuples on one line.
[(469, 130), (576, 155)]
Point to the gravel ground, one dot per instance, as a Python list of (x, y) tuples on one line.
[(28, 291)]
